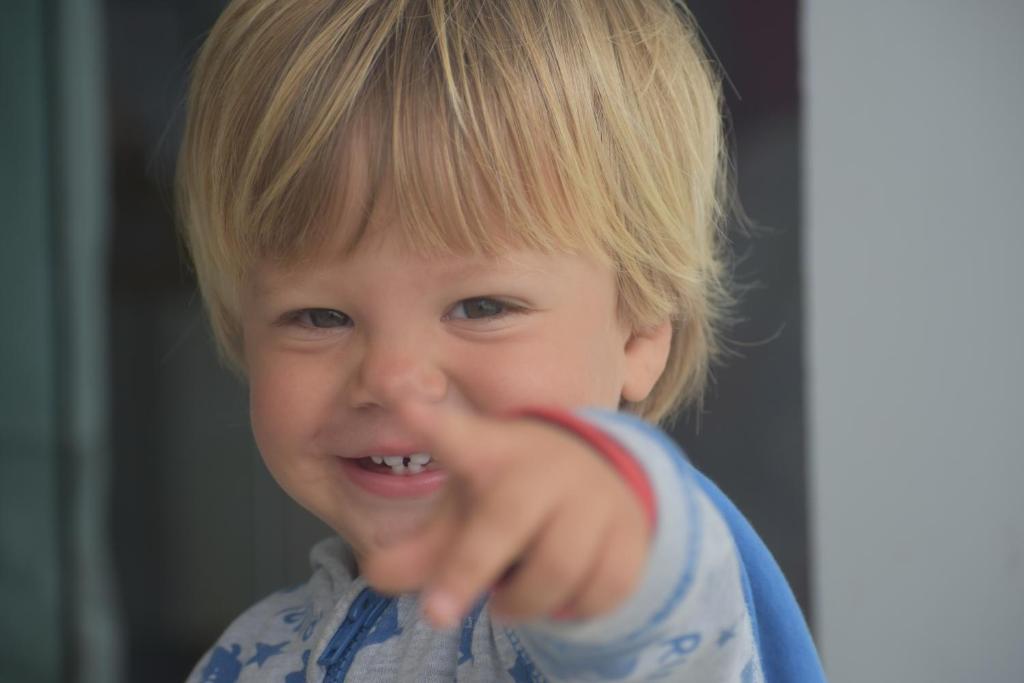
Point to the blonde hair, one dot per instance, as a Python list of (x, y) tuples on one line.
[(591, 125)]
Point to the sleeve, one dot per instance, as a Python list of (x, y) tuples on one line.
[(693, 617)]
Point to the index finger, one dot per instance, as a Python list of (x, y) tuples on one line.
[(454, 437)]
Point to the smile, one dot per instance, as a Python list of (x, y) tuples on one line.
[(398, 464), (399, 476)]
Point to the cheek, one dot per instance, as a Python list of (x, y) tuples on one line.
[(270, 416), (584, 360), (557, 371), (285, 404)]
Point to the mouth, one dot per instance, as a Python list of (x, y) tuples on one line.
[(398, 465), (415, 475)]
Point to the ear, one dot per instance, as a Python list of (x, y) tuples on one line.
[(646, 353)]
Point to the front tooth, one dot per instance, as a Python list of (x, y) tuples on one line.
[(377, 460), (419, 458), (414, 468), (393, 460)]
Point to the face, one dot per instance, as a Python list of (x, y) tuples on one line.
[(329, 349)]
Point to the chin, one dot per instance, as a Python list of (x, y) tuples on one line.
[(384, 528)]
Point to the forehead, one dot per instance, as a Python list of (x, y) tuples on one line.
[(439, 199), (382, 264)]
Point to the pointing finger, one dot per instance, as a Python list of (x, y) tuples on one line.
[(487, 545), (453, 436)]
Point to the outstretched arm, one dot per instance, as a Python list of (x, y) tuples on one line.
[(599, 574)]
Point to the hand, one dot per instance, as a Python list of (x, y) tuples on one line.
[(529, 510)]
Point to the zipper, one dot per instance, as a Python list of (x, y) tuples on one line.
[(364, 612)]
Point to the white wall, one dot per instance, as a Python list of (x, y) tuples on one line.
[(914, 267)]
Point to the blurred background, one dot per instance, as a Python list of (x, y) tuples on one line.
[(866, 425)]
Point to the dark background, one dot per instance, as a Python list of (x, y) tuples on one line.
[(200, 531)]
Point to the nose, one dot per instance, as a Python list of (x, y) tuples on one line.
[(396, 368)]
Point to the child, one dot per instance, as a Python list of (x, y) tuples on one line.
[(460, 251)]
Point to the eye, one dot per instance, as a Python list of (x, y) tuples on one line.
[(321, 318), (480, 307)]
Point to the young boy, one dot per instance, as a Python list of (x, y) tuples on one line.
[(461, 251)]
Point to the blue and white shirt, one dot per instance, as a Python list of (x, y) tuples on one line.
[(712, 606)]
